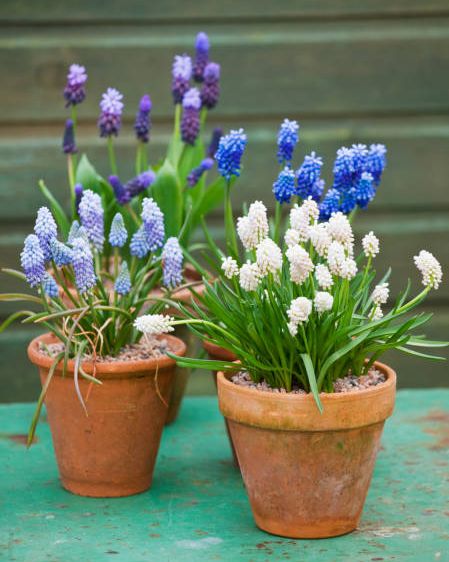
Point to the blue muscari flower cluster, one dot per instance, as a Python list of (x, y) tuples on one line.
[(122, 284), (229, 154), (46, 230), (357, 173), (137, 185), (61, 254), (201, 56), (309, 183), (284, 186), (172, 261), (118, 233), (78, 196), (153, 224), (50, 287), (287, 140), (83, 265), (33, 261), (121, 194), (92, 217)]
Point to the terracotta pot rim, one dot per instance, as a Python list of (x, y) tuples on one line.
[(218, 351), (122, 369), (300, 412)]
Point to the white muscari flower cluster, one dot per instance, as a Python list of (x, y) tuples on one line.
[(430, 269), (299, 312), (320, 238), (154, 324), (340, 229), (291, 237), (377, 313), (370, 244), (380, 294), (323, 301), (323, 276), (268, 257), (253, 228), (300, 221), (250, 276), (229, 267), (300, 263)]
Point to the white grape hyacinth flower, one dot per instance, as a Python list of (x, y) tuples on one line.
[(247, 233), (257, 215), (291, 237), (380, 294), (310, 208), (340, 229), (229, 267), (348, 269), (323, 301), (336, 257), (154, 324), (299, 312), (300, 221), (323, 276), (268, 257), (320, 238), (377, 313), (250, 276), (430, 269), (370, 244), (300, 263)]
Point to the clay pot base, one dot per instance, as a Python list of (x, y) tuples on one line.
[(104, 490)]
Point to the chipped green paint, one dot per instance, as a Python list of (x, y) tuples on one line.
[(197, 508)]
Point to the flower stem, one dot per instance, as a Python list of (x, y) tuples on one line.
[(231, 239), (111, 153), (277, 222), (71, 174)]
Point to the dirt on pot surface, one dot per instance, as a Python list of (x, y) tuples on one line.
[(151, 348), (350, 383)]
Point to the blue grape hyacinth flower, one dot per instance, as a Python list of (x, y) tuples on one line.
[(138, 246), (137, 185), (61, 254), (202, 47), (142, 124), (288, 137), (308, 174), (229, 154), (50, 286), (284, 186)]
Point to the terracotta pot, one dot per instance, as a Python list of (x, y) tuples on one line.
[(111, 451), (307, 474), (221, 354), (182, 374)]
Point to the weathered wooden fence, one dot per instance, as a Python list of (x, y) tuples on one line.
[(348, 71)]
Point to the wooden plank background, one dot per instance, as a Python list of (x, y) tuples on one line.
[(348, 71)]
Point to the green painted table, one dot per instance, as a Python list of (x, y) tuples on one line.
[(197, 508)]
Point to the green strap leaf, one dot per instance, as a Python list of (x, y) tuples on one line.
[(312, 379)]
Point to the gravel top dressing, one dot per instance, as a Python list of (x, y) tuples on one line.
[(350, 383), (150, 349)]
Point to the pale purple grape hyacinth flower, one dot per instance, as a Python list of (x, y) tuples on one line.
[(202, 47), (139, 246), (190, 122), (46, 230), (153, 224), (110, 119), (61, 254), (195, 175), (92, 217), (118, 233), (172, 262), (122, 284), (32, 260), (74, 91), (83, 265), (50, 287), (181, 74), (142, 124)]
